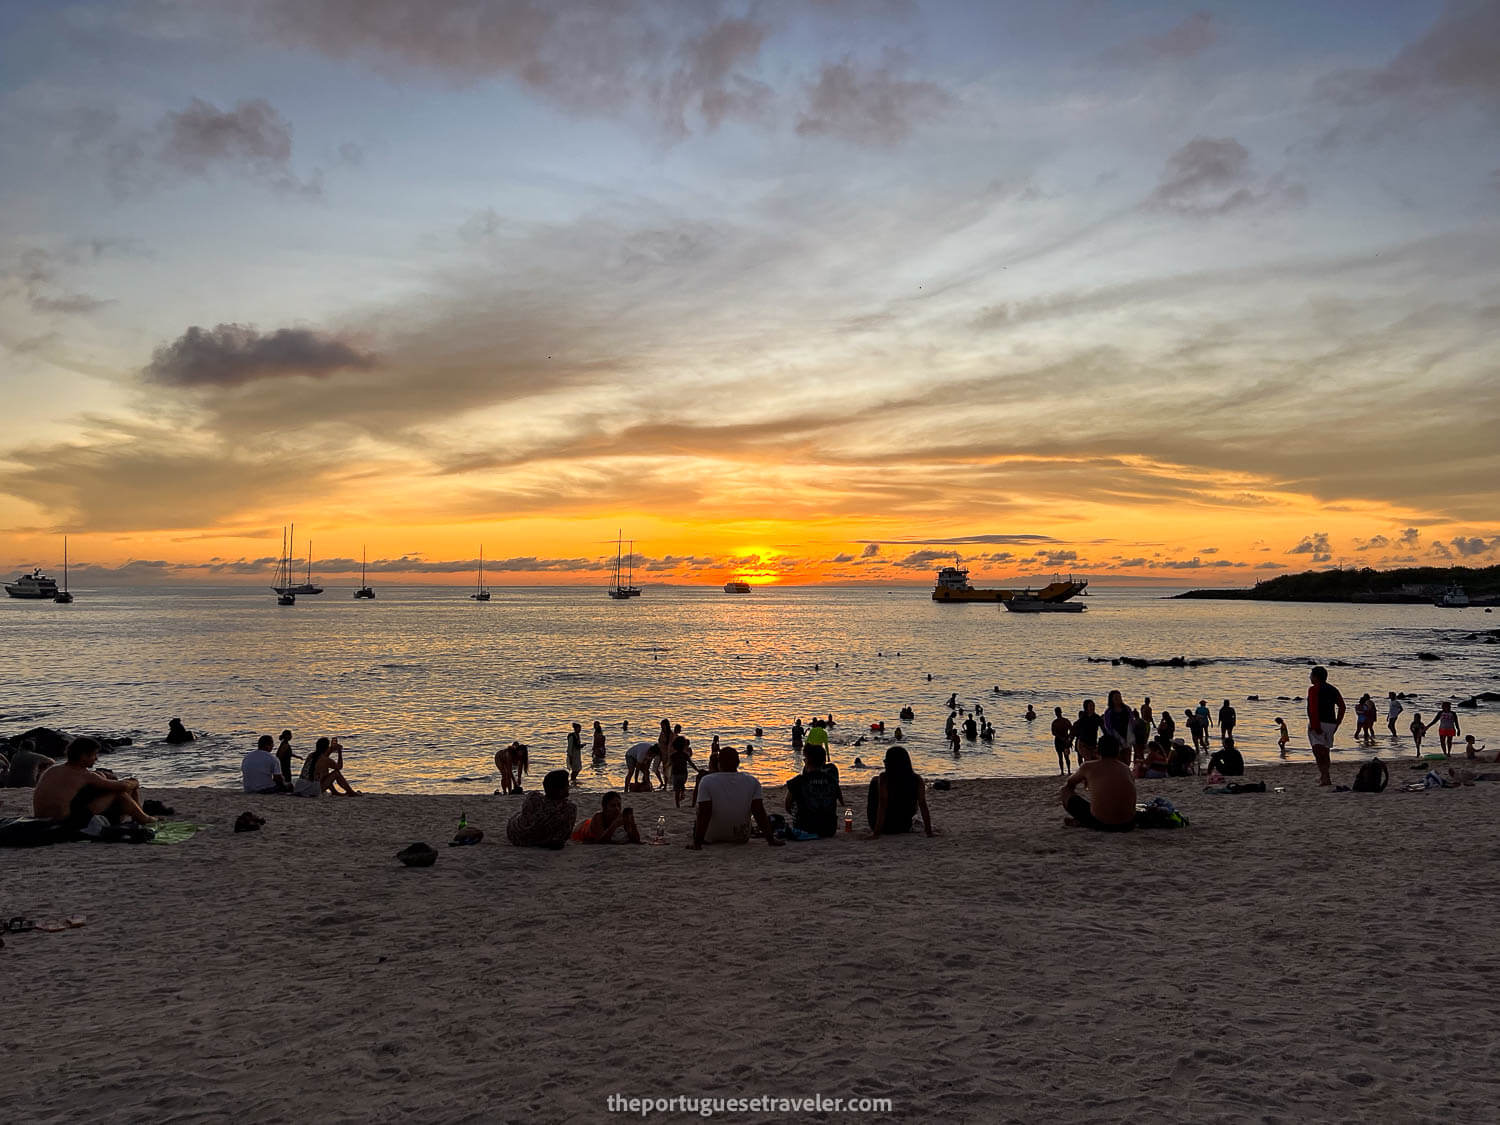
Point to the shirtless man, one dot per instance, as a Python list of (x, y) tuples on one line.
[(505, 762), (72, 791), (1110, 805)]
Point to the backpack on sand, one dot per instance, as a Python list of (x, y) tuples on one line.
[(1372, 777)]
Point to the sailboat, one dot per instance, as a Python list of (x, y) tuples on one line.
[(480, 594), (62, 596), (627, 589), (282, 581), (364, 590), (285, 577)]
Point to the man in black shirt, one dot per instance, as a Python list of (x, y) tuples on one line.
[(813, 797)]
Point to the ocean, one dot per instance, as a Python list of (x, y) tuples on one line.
[(423, 685)]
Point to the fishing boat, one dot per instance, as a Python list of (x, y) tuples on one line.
[(953, 586), (1454, 597), (480, 594), (364, 590), (286, 580), (735, 586), (620, 590), (35, 586), (62, 597), (281, 584)]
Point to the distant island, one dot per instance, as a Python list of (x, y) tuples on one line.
[(1415, 585)]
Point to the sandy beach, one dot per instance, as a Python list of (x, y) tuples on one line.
[(1300, 956)]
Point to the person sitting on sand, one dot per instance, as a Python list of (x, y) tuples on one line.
[(177, 734), (323, 771), (1110, 805), (260, 772), (1471, 751), (545, 819), (72, 791), (1182, 760), (1227, 760), (813, 797), (26, 766), (896, 796), (727, 801), (1157, 761), (612, 824)]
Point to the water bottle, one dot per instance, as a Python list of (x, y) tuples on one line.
[(661, 830), (463, 821), (848, 820)]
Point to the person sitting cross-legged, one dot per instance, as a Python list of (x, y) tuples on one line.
[(1110, 805), (545, 819)]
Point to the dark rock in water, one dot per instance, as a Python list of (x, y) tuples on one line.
[(1296, 699), (1489, 696), (1284, 698), (1252, 699), (1470, 702), (1428, 656), (1339, 664), (1142, 662), (48, 741)]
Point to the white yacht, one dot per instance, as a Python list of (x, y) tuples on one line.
[(1454, 597), (35, 586)]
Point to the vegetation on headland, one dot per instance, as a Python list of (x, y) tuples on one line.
[(1417, 584)]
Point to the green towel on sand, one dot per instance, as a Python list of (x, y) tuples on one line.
[(174, 831)]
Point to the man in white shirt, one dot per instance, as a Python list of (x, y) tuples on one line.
[(1393, 708), (260, 769), (726, 802)]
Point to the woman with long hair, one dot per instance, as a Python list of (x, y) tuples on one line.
[(896, 796)]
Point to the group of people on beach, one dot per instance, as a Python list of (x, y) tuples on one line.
[(265, 771), (729, 803), (75, 791)]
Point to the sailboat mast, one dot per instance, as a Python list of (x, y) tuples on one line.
[(362, 581), (309, 562), (65, 564), (631, 562)]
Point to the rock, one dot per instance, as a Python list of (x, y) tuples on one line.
[(1470, 702), (1428, 656), (418, 855), (1252, 699), (1489, 696), (48, 741)]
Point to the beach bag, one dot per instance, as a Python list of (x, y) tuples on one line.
[(1370, 778), (32, 832), (1160, 813)]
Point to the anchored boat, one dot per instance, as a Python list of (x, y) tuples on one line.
[(953, 586)]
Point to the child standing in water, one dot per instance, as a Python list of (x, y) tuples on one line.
[(1418, 729), (1284, 737)]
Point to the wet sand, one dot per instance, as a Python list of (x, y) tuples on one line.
[(1297, 956)]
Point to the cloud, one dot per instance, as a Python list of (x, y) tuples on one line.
[(1374, 543), (921, 560), (1316, 545), (870, 551), (251, 142), (1013, 540), (1458, 55), (1197, 32), (866, 105), (1474, 545), (38, 274), (843, 558), (1211, 176), (229, 355), (674, 61), (1409, 537)]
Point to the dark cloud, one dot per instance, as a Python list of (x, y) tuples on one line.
[(229, 355), (922, 560), (1374, 543), (842, 558), (1458, 55), (1212, 176), (1409, 537), (1011, 539), (870, 551), (1474, 545), (676, 61), (1316, 545), (251, 142), (868, 105), (38, 273)]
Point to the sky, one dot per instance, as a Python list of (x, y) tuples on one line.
[(789, 290)]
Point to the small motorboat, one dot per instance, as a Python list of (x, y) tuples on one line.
[(1031, 604)]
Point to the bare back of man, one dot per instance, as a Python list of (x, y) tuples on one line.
[(1111, 800), (72, 790)]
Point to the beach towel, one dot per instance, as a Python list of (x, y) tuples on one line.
[(174, 831)]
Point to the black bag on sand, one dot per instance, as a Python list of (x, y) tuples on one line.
[(1372, 777), (33, 832)]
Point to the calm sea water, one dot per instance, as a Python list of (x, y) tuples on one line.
[(423, 685)]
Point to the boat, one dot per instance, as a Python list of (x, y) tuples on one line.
[(626, 589), (735, 586), (1028, 602), (35, 586), (281, 584), (62, 597), (364, 590), (285, 577), (1454, 597), (480, 594), (953, 586)]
